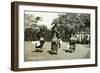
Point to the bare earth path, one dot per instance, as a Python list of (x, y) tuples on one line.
[(81, 52)]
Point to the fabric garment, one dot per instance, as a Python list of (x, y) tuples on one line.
[(40, 43)]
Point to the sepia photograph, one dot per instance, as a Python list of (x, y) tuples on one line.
[(53, 36), (56, 36)]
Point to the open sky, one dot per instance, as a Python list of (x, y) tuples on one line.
[(47, 17)]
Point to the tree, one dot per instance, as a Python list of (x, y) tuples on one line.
[(43, 27), (71, 23), (31, 26), (31, 21), (86, 20), (38, 19)]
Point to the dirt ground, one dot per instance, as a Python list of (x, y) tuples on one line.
[(32, 54)]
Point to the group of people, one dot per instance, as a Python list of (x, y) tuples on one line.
[(82, 38), (56, 41), (78, 38)]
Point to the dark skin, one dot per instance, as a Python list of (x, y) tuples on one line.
[(54, 44), (39, 35)]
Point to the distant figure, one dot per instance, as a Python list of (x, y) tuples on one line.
[(72, 43), (59, 42), (77, 36), (59, 34), (80, 38), (59, 39), (88, 39)]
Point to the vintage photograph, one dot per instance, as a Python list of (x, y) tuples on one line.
[(52, 35)]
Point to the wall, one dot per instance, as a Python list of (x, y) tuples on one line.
[(5, 34)]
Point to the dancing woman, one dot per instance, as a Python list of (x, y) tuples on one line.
[(41, 40)]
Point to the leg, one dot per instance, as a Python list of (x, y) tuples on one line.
[(41, 45)]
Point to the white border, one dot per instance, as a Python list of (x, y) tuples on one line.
[(23, 64)]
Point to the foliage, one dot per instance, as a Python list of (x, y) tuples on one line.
[(66, 24), (71, 23)]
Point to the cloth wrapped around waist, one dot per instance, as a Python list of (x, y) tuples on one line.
[(54, 44)]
